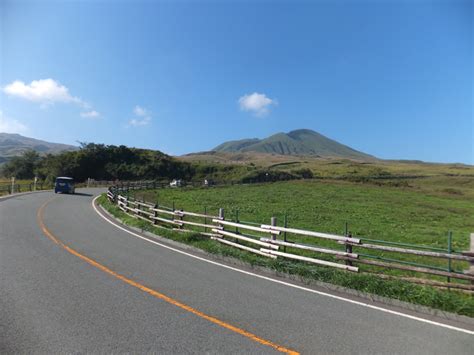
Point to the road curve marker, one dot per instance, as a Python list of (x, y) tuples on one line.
[(159, 295), (363, 304)]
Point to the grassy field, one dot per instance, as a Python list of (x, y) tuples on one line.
[(421, 213), (327, 167)]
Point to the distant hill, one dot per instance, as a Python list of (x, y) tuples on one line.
[(14, 145), (303, 142)]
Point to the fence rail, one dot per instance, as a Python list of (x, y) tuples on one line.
[(343, 254)]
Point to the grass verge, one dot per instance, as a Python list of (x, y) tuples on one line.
[(445, 300)]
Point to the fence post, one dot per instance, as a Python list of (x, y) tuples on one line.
[(273, 222), (236, 220), (450, 237), (138, 208), (221, 214), (470, 271), (13, 185), (181, 218), (205, 219), (155, 214), (173, 212), (348, 246)]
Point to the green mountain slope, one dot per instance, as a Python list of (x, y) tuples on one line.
[(15, 145), (298, 142), (236, 146)]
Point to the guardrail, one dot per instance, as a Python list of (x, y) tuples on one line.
[(345, 252)]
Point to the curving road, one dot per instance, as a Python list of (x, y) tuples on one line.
[(70, 281)]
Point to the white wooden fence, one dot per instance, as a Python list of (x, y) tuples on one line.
[(268, 241)]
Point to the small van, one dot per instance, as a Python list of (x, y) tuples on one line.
[(64, 184), (176, 183)]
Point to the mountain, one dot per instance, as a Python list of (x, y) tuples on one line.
[(298, 142), (14, 145)]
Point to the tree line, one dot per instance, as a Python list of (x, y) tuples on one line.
[(100, 162)]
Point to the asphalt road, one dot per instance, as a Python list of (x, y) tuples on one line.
[(141, 297)]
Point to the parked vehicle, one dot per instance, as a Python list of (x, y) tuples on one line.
[(208, 182), (65, 185), (176, 183)]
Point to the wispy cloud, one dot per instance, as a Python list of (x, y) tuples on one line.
[(47, 92), (258, 104), (10, 125), (143, 117), (90, 114), (140, 111)]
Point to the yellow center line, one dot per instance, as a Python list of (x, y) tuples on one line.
[(155, 293)]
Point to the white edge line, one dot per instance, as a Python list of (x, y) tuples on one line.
[(283, 282)]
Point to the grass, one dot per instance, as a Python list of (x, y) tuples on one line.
[(328, 167), (326, 206), (23, 185), (419, 215), (379, 212)]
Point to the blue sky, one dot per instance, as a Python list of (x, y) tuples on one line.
[(390, 78)]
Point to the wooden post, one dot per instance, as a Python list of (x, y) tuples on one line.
[(273, 222), (348, 246), (450, 237), (155, 214), (221, 213), (470, 271)]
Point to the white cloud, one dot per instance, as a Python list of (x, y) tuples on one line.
[(258, 104), (44, 91), (143, 117), (140, 111), (90, 114), (136, 122), (47, 92), (9, 125)]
